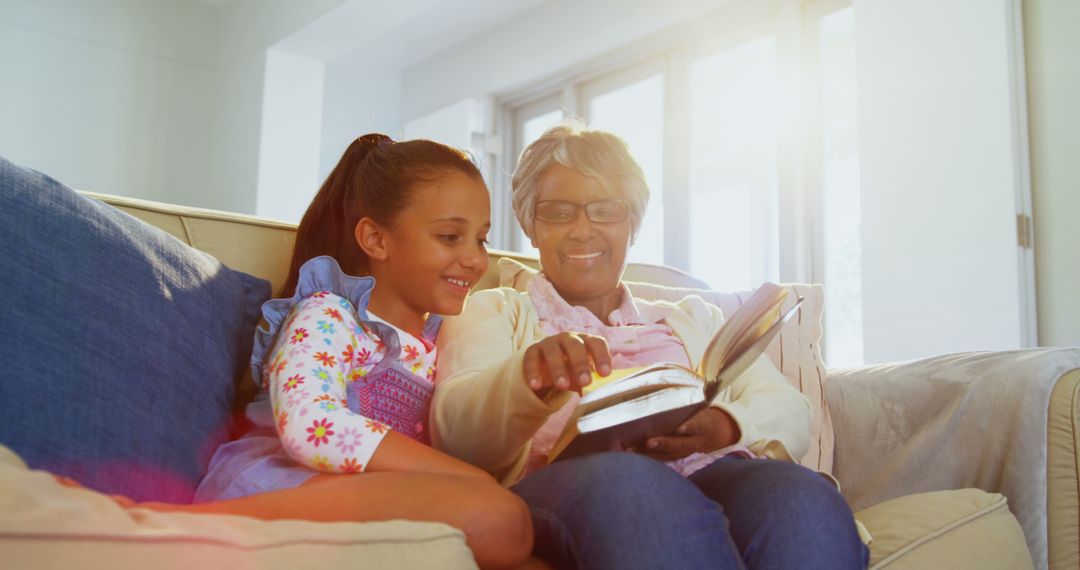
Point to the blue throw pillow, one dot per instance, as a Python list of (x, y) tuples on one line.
[(119, 343)]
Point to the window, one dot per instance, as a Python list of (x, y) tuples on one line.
[(635, 111), (840, 199), (733, 166), (746, 133), (530, 121)]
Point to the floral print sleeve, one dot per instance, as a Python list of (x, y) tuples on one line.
[(319, 349)]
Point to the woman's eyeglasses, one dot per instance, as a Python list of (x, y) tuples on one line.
[(600, 211)]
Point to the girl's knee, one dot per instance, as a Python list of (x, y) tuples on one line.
[(499, 529)]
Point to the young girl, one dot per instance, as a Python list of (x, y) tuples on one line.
[(346, 366)]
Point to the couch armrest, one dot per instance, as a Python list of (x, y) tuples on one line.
[(989, 420), (44, 524)]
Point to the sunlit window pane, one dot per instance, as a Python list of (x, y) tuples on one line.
[(531, 130), (635, 112), (734, 110), (534, 127), (840, 186)]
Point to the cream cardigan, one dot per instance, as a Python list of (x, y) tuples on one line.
[(484, 413)]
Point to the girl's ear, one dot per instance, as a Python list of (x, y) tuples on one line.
[(371, 238)]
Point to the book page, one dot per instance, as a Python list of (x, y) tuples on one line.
[(599, 381), (626, 385), (742, 329), (637, 408), (642, 381)]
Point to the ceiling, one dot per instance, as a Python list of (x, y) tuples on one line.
[(402, 32)]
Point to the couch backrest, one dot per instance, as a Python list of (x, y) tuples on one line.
[(263, 247)]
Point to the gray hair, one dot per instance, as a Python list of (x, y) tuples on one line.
[(596, 154)]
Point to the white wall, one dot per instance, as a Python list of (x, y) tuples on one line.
[(152, 99), (290, 137), (113, 96), (237, 126), (938, 178), (249, 29), (1053, 72), (359, 97), (363, 90)]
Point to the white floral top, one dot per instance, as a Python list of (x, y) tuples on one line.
[(321, 347)]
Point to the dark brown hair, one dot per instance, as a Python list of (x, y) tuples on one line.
[(373, 179)]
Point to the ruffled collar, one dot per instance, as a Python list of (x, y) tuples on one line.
[(316, 275)]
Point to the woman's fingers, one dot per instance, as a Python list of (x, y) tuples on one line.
[(707, 430), (555, 358), (598, 352), (578, 362), (544, 366), (565, 361), (672, 447), (535, 372)]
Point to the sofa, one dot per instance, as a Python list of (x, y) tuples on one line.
[(957, 461)]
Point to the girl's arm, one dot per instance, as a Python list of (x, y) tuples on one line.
[(401, 453)]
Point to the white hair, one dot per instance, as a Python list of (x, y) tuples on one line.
[(597, 154)]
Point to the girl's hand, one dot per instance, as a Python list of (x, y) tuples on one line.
[(565, 361), (707, 430)]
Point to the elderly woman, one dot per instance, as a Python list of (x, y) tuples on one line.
[(512, 364)]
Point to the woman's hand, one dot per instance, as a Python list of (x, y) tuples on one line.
[(565, 361), (707, 430)]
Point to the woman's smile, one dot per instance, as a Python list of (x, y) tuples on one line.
[(583, 257)]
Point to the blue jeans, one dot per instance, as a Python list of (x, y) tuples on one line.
[(622, 510)]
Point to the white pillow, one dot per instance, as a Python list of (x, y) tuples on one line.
[(46, 524)]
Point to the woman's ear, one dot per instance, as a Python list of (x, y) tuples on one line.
[(371, 238)]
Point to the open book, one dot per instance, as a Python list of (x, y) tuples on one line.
[(630, 405)]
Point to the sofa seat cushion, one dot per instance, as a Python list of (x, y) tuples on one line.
[(120, 343), (966, 528), (44, 524)]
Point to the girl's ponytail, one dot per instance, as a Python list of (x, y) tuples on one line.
[(324, 229)]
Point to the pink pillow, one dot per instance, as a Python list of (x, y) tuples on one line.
[(795, 351)]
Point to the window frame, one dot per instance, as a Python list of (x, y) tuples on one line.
[(794, 25)]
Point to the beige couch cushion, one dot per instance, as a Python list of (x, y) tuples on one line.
[(795, 351), (1063, 472), (960, 529), (44, 524)]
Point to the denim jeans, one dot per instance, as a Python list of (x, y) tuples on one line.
[(622, 510)]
